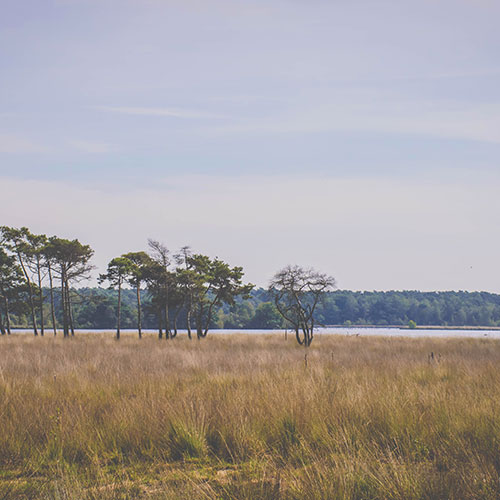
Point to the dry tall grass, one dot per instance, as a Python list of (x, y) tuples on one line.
[(244, 417)]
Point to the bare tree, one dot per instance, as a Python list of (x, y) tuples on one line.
[(159, 283), (186, 279), (297, 292)]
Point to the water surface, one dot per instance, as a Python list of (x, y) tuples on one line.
[(352, 331)]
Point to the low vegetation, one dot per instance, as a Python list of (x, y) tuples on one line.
[(234, 417)]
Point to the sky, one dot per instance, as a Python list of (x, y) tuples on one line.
[(361, 138)]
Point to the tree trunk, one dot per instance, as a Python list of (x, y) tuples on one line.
[(199, 326), (52, 308), (176, 317), (189, 328), (70, 311), (167, 322), (7, 314), (160, 330), (30, 294), (4, 326), (119, 309), (40, 294), (3, 331), (139, 317), (307, 335), (64, 306), (297, 335), (305, 330), (188, 320), (209, 317)]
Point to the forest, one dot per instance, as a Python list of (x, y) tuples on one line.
[(95, 308)]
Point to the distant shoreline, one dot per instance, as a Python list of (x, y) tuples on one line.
[(275, 330), (419, 327)]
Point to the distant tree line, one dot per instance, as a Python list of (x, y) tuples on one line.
[(400, 307), (96, 308)]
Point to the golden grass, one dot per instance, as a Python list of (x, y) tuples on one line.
[(244, 417)]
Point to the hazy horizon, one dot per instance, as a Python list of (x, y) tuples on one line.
[(359, 138)]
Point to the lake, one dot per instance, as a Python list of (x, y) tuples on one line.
[(352, 331)]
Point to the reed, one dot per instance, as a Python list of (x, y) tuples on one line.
[(246, 417)]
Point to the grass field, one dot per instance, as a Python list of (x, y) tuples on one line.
[(245, 417)]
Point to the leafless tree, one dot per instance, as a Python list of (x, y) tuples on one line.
[(296, 292)]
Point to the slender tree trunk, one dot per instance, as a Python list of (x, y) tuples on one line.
[(188, 317), (199, 325), (167, 322), (30, 294), (305, 331), (119, 309), (40, 296), (297, 335), (71, 324), (52, 308), (307, 334), (7, 314), (3, 312), (176, 317), (64, 305), (70, 312), (160, 326), (139, 317), (188, 322), (209, 317), (2, 326)]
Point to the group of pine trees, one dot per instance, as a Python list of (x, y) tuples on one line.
[(31, 264), (192, 284), (29, 261)]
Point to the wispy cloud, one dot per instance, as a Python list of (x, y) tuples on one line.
[(91, 146), (16, 144), (379, 114), (450, 75), (156, 111)]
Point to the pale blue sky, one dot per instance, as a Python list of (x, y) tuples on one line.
[(202, 122)]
